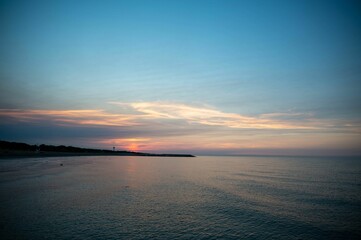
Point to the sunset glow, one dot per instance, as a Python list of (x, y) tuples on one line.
[(158, 126), (218, 77), (180, 119)]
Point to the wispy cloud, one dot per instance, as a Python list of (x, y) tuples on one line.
[(158, 113), (78, 117), (162, 126), (214, 117)]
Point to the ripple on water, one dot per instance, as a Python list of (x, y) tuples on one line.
[(167, 198)]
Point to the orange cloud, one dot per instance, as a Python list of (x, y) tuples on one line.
[(214, 117), (80, 117), (235, 141), (153, 113), (130, 144), (160, 126)]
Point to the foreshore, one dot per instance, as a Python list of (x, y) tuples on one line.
[(27, 154), (23, 150)]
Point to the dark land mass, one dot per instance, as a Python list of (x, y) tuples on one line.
[(23, 150)]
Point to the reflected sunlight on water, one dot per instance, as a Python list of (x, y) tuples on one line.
[(181, 198)]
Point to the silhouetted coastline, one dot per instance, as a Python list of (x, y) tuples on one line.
[(23, 150)]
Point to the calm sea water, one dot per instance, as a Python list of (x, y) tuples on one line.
[(180, 198)]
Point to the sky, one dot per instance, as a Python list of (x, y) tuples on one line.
[(203, 77)]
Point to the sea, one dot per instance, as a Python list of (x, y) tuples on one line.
[(206, 197)]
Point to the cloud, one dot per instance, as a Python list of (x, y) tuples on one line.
[(163, 126), (162, 114), (213, 117), (77, 117)]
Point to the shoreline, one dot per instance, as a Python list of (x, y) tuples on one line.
[(23, 150), (21, 154)]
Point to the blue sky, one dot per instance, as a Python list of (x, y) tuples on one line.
[(297, 60)]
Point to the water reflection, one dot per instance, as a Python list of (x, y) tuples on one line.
[(203, 197)]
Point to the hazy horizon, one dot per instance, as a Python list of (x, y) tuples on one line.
[(199, 77)]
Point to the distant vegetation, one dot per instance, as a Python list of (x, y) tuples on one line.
[(15, 148)]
